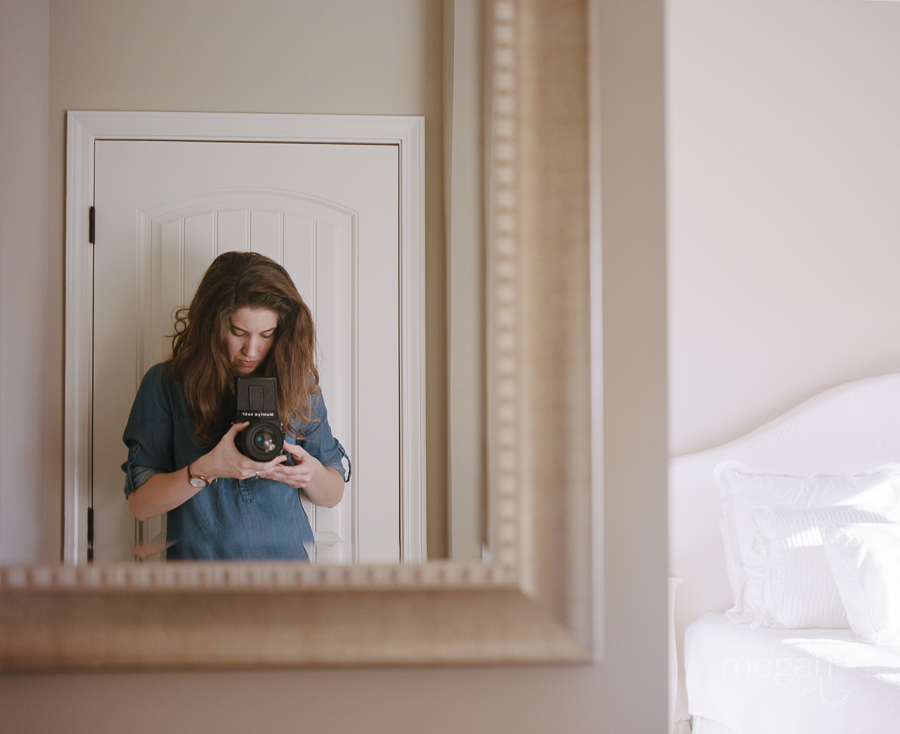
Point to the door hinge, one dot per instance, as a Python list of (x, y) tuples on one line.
[(90, 534), (91, 225)]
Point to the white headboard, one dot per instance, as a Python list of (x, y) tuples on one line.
[(850, 428)]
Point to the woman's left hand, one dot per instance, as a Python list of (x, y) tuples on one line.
[(322, 484), (300, 474)]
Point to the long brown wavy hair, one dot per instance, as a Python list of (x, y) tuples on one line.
[(200, 361)]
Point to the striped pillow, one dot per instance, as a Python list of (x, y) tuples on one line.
[(790, 584)]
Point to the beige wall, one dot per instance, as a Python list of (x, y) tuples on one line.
[(133, 55), (30, 295), (784, 224)]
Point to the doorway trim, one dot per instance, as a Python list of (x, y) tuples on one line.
[(86, 127)]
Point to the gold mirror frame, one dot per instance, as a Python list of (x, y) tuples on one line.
[(533, 600)]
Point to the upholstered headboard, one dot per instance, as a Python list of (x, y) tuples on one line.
[(850, 428)]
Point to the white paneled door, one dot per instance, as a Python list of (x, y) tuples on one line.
[(329, 213)]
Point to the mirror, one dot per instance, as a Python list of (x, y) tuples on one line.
[(531, 601), (451, 481)]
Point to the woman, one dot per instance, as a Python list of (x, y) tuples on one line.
[(246, 319)]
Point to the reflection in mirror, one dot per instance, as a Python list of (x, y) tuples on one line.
[(325, 237)]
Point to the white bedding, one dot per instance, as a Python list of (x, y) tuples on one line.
[(849, 429), (776, 681)]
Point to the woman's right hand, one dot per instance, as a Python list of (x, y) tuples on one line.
[(226, 461), (164, 492)]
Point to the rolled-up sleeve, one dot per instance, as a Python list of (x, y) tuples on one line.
[(149, 432), (316, 437)]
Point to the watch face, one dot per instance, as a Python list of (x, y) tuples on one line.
[(198, 482)]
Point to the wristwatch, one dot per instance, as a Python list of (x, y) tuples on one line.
[(196, 481)]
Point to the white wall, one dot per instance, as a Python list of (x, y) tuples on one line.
[(784, 224), (133, 55)]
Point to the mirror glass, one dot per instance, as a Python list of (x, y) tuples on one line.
[(447, 455)]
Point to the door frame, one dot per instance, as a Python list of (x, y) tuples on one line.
[(86, 127)]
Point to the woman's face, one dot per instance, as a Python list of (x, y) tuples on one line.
[(250, 338)]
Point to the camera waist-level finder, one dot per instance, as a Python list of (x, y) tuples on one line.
[(257, 402)]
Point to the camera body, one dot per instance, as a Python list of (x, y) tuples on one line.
[(257, 402)]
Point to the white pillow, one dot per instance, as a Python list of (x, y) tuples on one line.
[(865, 561), (789, 582), (743, 490)]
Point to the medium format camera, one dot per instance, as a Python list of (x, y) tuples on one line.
[(257, 402)]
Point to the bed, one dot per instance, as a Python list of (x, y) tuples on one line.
[(786, 547)]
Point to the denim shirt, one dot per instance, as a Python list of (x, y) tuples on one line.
[(230, 518)]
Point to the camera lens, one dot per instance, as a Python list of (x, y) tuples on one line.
[(261, 441), (265, 441)]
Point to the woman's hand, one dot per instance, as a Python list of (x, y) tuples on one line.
[(301, 473), (226, 461), (164, 492), (322, 484)]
